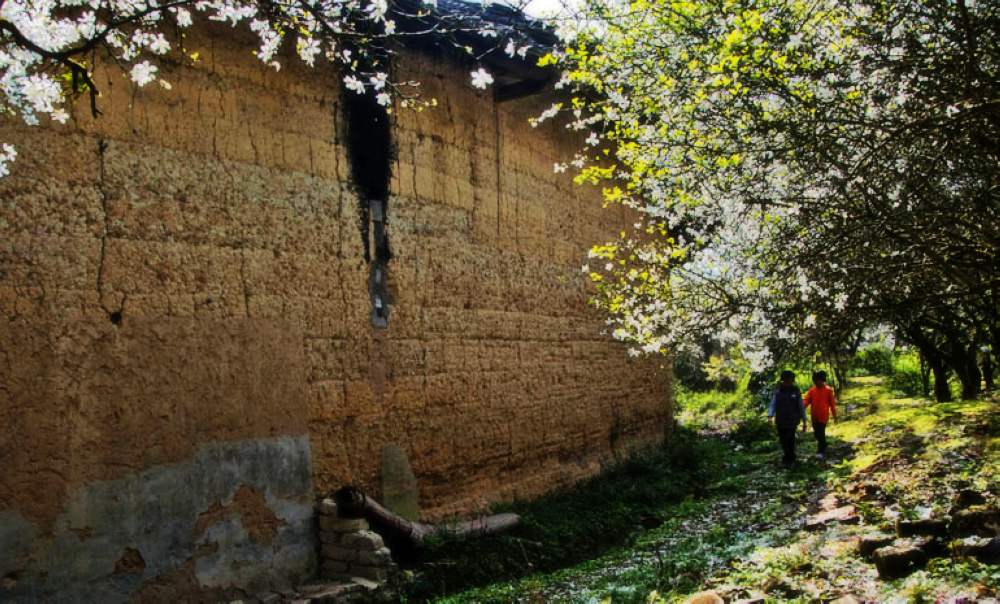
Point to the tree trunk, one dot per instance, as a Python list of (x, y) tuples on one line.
[(840, 373), (935, 359), (942, 393), (925, 374), (960, 357), (988, 370), (975, 375)]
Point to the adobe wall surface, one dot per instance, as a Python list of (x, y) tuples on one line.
[(492, 373), (189, 360)]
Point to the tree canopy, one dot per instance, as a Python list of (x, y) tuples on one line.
[(48, 48), (802, 168)]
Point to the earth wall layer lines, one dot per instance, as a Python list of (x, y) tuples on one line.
[(189, 359)]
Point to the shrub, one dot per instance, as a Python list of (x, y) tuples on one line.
[(875, 360), (752, 431), (906, 382), (689, 374), (905, 377)]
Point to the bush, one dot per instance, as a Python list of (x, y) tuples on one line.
[(875, 360), (906, 376), (751, 431), (761, 399), (713, 404), (907, 383), (689, 374)]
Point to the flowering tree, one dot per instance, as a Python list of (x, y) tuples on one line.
[(48, 48), (801, 168)]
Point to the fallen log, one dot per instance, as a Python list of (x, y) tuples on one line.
[(406, 537)]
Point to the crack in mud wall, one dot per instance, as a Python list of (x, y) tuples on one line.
[(369, 150)]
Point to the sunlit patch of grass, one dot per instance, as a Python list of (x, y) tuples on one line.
[(738, 524), (916, 416), (704, 408), (861, 462)]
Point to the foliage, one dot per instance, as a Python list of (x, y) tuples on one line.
[(786, 157), (49, 48), (689, 373), (901, 369), (581, 524), (699, 406), (906, 378), (744, 530), (751, 431), (874, 360)]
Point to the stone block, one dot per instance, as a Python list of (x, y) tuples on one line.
[(975, 521), (339, 553), (842, 515), (349, 525), (871, 543), (328, 507), (898, 562), (985, 552), (363, 540), (328, 593), (381, 557), (932, 527), (365, 584), (968, 498), (334, 524), (374, 573)]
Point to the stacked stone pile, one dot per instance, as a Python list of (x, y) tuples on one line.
[(349, 549), (355, 566)]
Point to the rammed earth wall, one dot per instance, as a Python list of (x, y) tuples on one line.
[(189, 358)]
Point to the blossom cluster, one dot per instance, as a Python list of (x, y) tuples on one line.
[(784, 158), (45, 45)]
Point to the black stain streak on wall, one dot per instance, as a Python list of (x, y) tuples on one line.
[(370, 151)]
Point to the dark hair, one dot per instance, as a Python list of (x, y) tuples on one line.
[(786, 374), (819, 375)]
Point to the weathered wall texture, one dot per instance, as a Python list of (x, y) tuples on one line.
[(492, 372), (188, 357)]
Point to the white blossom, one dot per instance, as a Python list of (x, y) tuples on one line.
[(481, 78), (354, 84), (378, 81), (8, 156), (308, 48), (183, 17), (143, 73)]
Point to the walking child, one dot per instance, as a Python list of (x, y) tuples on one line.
[(786, 412), (822, 404)]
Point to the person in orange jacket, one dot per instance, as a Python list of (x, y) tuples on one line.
[(821, 404)]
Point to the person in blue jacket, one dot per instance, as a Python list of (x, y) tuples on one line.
[(786, 412)]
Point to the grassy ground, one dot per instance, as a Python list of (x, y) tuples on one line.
[(716, 511)]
